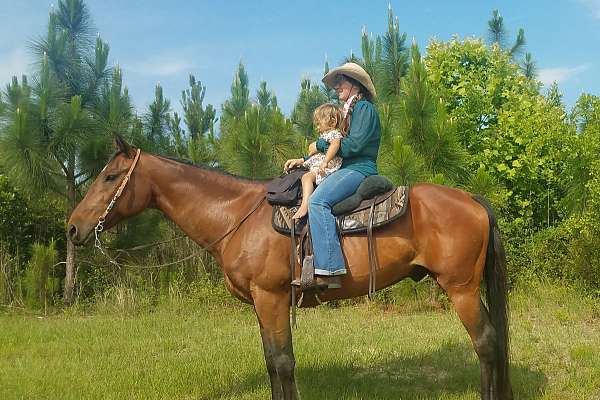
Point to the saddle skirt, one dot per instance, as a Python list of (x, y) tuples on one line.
[(388, 207)]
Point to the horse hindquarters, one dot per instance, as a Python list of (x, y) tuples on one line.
[(459, 244), (487, 326)]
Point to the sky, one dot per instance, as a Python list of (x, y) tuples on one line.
[(282, 42)]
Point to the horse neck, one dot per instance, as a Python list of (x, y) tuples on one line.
[(204, 203)]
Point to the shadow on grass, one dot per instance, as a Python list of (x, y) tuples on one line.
[(451, 370)]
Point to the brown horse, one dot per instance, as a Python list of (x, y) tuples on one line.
[(445, 233)]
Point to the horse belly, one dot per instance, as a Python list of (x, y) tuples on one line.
[(395, 257)]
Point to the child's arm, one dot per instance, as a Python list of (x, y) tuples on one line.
[(312, 149), (334, 146)]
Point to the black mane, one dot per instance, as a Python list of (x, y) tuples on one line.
[(212, 169)]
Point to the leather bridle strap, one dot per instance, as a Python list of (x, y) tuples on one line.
[(100, 226)]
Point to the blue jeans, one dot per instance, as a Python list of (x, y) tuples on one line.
[(326, 245)]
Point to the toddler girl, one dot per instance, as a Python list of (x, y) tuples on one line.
[(327, 118)]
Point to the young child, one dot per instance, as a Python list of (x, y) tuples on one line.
[(328, 119)]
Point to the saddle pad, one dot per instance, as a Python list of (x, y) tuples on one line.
[(388, 209)]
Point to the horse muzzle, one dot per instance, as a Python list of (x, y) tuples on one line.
[(79, 235)]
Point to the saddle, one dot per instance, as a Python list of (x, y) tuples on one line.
[(376, 203), (378, 210)]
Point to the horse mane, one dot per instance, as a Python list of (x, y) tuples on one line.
[(212, 169)]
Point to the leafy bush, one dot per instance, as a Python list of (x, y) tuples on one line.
[(10, 289), (567, 252), (39, 281)]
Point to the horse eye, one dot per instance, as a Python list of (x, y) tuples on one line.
[(110, 178)]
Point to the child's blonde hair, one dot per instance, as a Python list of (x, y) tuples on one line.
[(327, 117)]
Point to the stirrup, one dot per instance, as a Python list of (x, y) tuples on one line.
[(321, 282)]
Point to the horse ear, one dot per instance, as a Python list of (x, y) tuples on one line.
[(121, 145)]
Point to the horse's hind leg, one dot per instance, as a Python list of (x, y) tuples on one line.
[(272, 310), (474, 317)]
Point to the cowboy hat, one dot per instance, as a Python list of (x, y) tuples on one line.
[(354, 71)]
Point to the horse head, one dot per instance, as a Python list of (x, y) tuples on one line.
[(116, 193)]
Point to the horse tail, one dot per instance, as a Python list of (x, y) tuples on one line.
[(496, 298)]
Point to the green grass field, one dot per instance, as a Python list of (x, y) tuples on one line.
[(357, 352)]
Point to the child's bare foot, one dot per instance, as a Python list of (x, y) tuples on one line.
[(302, 211)]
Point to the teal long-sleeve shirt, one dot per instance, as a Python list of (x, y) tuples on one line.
[(360, 147)]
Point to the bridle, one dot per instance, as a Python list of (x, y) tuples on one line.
[(100, 225)]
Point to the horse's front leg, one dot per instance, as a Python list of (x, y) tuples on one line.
[(272, 310)]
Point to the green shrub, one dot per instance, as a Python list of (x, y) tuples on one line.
[(10, 290), (551, 254), (568, 252), (39, 282)]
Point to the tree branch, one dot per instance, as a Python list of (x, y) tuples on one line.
[(63, 166)]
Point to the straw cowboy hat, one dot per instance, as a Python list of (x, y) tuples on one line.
[(354, 71)]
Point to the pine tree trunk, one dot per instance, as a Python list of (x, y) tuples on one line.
[(68, 294), (69, 274)]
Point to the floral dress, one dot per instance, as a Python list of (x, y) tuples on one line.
[(315, 160)]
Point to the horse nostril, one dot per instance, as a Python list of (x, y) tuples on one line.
[(72, 232)]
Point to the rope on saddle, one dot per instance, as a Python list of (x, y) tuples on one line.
[(293, 271), (372, 253)]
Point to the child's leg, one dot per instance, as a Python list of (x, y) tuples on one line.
[(308, 186)]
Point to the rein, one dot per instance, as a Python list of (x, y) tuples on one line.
[(100, 225)]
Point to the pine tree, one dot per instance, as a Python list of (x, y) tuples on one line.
[(330, 93), (519, 44), (554, 96), (178, 135), (394, 59), (310, 97), (265, 98), (198, 119), (529, 67), (200, 144), (156, 121), (425, 126), (51, 138), (236, 106), (255, 139), (369, 60), (497, 34)]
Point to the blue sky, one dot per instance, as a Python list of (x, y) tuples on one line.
[(282, 42)]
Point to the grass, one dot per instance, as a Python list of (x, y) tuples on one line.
[(358, 352)]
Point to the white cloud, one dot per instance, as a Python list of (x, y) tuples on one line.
[(161, 66), (561, 74), (15, 63), (593, 6)]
